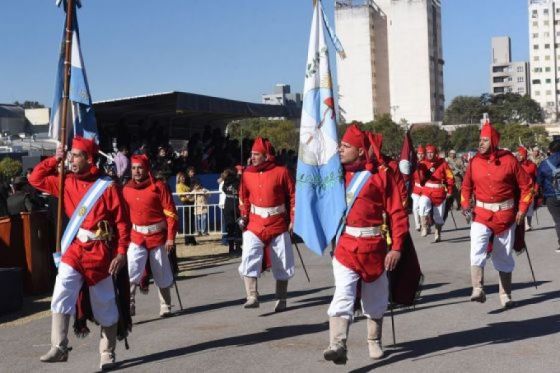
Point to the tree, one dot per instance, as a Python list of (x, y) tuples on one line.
[(464, 109), (10, 168), (465, 138), (29, 104), (392, 133), (514, 108), (513, 135), (282, 133), (430, 134)]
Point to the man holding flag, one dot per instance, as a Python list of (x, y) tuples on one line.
[(361, 253)]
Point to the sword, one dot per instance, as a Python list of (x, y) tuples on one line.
[(175, 284), (300, 258), (453, 217), (391, 308), (537, 215), (531, 266)]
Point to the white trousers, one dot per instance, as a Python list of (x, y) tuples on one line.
[(502, 251), (415, 210), (102, 296), (375, 295), (425, 205), (159, 264), (282, 256)]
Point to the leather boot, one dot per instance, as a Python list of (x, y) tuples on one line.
[(107, 345), (437, 236), (252, 293), (417, 219), (59, 339), (423, 226), (528, 220), (505, 289), (338, 330), (374, 328), (165, 301), (281, 295), (133, 288), (477, 279)]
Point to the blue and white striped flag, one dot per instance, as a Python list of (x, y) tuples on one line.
[(81, 116), (320, 199)]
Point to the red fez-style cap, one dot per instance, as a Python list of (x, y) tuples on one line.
[(420, 149), (431, 149), (85, 145), (355, 136), (140, 159), (523, 151), (489, 131)]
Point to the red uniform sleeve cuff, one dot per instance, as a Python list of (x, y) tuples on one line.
[(121, 250)]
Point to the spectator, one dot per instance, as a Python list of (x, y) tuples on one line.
[(191, 173), (182, 162), (21, 201), (221, 205), (536, 156), (163, 163), (231, 210), (201, 208), (549, 184), (187, 228), (122, 164)]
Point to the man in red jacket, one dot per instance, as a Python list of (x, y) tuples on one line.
[(497, 180), (154, 226), (361, 252), (531, 169), (266, 204), (417, 178), (89, 257), (436, 187)]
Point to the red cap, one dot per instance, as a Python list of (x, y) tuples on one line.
[(420, 149), (354, 136), (142, 160), (522, 151), (490, 132), (263, 146), (431, 149), (376, 142), (86, 145)]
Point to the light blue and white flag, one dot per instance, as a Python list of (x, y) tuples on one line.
[(81, 116), (320, 198)]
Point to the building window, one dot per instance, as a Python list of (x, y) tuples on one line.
[(536, 81), (546, 23), (547, 69), (548, 81), (547, 34), (537, 70), (548, 93), (535, 46), (536, 58), (545, 11), (535, 35), (547, 46), (535, 23), (534, 13), (547, 58), (520, 79), (521, 90), (550, 103), (537, 93), (520, 69)]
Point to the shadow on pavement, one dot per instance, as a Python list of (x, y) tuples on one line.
[(309, 302), (492, 334), (539, 298), (271, 334), (31, 305)]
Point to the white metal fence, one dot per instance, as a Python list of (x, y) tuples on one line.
[(190, 224)]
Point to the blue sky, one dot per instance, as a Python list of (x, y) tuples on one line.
[(235, 49)]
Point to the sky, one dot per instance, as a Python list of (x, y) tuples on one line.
[(234, 49)]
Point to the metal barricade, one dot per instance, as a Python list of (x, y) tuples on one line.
[(190, 223)]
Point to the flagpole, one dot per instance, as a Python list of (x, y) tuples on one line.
[(64, 118)]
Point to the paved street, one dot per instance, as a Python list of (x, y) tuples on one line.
[(445, 332)]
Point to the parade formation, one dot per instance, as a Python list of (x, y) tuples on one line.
[(346, 199)]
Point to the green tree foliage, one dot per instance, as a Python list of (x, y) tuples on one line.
[(465, 138), (282, 133), (10, 168), (512, 135), (464, 109), (29, 104), (392, 133), (430, 134)]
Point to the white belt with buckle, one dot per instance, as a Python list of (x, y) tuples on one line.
[(433, 185), (498, 206), (84, 236), (363, 231), (265, 212), (418, 185), (150, 229)]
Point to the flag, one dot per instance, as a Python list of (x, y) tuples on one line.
[(407, 163), (320, 196), (81, 116)]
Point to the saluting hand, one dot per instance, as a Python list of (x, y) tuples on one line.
[(116, 264), (392, 259)]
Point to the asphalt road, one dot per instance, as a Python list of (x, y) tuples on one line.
[(444, 333)]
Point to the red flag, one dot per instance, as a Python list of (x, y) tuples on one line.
[(407, 163)]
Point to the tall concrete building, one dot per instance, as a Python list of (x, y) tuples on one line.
[(394, 60), (282, 96), (507, 76), (544, 47)]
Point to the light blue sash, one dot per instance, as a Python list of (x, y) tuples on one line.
[(356, 184), (82, 210)]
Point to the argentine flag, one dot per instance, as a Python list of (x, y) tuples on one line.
[(320, 199), (81, 117)]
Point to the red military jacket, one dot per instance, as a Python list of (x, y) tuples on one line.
[(531, 169), (419, 177), (495, 179), (151, 204), (366, 255), (91, 258), (440, 174), (269, 188), (397, 177)]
